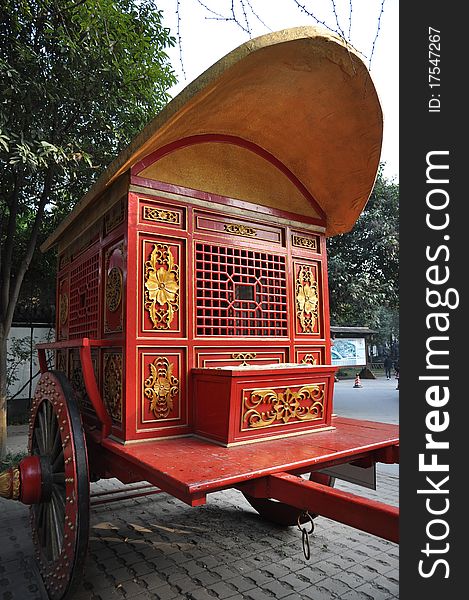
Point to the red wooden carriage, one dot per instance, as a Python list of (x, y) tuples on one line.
[(193, 345)]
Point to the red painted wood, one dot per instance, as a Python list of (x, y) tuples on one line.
[(362, 513), (224, 201), (30, 477), (223, 420), (92, 389), (191, 468)]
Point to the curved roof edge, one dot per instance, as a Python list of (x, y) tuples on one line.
[(335, 114)]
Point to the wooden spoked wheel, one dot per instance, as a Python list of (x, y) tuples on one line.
[(60, 520), (281, 513)]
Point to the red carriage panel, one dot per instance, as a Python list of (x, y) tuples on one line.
[(253, 404), (115, 275), (161, 393), (311, 355), (210, 357), (161, 286)]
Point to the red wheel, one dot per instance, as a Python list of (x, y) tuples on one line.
[(281, 513), (60, 520)]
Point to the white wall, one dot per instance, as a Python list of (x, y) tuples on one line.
[(39, 334)]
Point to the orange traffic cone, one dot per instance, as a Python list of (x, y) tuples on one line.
[(358, 383)]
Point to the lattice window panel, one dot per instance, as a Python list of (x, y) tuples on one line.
[(240, 292), (84, 280)]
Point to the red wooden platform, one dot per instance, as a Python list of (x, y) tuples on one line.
[(189, 468)]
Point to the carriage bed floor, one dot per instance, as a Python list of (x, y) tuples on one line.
[(189, 467)]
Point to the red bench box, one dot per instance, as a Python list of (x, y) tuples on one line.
[(235, 405)]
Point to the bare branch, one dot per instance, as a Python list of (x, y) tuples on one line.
[(15, 290), (377, 33)]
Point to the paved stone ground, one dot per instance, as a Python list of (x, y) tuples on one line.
[(159, 548)]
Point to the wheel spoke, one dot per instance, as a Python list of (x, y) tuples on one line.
[(42, 429), (57, 447), (53, 429), (59, 500), (57, 532), (58, 478), (58, 465), (39, 439)]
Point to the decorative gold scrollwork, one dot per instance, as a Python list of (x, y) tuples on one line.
[(244, 356), (309, 359), (303, 242), (161, 387), (114, 289), (162, 286), (10, 483), (307, 299), (63, 309), (241, 230), (151, 213), (306, 404), (113, 384)]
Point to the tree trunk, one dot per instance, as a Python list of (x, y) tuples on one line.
[(3, 392)]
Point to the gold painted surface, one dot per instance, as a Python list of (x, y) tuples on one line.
[(113, 384), (244, 356), (307, 299), (241, 230), (114, 283), (302, 94), (307, 404), (6, 484), (161, 387), (304, 242), (308, 359), (161, 286), (160, 215), (216, 168)]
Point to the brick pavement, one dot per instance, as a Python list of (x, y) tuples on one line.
[(159, 548)]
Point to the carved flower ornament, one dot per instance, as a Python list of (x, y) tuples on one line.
[(307, 299), (162, 286)]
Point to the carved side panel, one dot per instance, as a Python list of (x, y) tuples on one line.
[(161, 393), (113, 384), (267, 408), (161, 287), (114, 288), (63, 308), (308, 298)]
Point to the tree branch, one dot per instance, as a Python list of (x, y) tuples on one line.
[(15, 290)]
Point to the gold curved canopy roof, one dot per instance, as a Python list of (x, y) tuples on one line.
[(301, 95)]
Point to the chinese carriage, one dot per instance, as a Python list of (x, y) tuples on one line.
[(193, 344)]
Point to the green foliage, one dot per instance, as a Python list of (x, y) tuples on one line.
[(363, 264), (19, 353), (78, 80)]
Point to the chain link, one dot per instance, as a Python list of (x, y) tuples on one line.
[(304, 519)]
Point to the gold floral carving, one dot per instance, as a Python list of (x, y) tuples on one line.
[(242, 230), (162, 286), (244, 356), (161, 387), (308, 359), (307, 299), (162, 216), (114, 289), (306, 404), (63, 309), (303, 242), (10, 483), (113, 384)]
